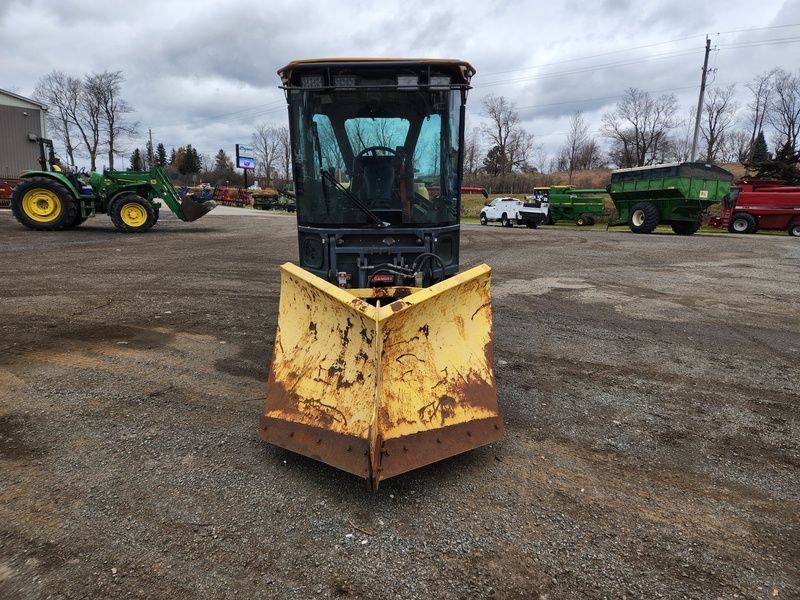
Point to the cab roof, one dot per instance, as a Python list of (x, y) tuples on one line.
[(459, 71)]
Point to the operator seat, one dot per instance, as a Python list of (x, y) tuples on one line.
[(378, 181)]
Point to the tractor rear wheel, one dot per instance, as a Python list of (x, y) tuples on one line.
[(644, 217), (132, 214), (43, 204), (79, 219), (742, 223)]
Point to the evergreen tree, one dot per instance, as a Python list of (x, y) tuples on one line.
[(149, 155), (760, 152), (191, 161), (173, 157), (161, 156), (136, 161), (222, 162), (785, 166), (495, 161)]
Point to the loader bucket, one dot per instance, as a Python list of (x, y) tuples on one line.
[(193, 209), (378, 382)]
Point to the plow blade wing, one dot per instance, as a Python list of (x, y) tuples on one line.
[(193, 209), (379, 382)]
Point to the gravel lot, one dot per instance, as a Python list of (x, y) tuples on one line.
[(649, 387)]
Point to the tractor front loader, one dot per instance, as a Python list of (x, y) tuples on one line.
[(383, 357), (54, 198)]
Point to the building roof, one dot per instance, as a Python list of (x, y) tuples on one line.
[(11, 99)]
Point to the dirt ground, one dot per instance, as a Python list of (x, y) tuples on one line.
[(648, 385)]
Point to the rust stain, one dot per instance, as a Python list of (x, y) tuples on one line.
[(444, 406)]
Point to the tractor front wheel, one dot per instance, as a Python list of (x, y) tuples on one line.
[(644, 217), (43, 204), (132, 214)]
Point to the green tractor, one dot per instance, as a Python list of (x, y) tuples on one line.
[(55, 199)]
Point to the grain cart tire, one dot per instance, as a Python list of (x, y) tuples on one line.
[(794, 230), (688, 227), (505, 221), (590, 221), (43, 204), (484, 220), (644, 217), (132, 214), (742, 223)]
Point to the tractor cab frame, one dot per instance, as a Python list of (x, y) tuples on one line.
[(376, 158)]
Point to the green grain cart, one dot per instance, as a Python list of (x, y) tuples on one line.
[(675, 194), (571, 204)]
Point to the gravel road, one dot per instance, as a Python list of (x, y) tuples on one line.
[(649, 386)]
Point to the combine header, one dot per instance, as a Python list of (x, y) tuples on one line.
[(383, 354)]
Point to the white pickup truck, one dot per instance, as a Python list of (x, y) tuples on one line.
[(512, 210)]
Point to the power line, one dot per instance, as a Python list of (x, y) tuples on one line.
[(479, 75)]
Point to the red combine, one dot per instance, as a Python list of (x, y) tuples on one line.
[(754, 204)]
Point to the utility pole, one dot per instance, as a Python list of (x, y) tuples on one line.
[(700, 101)]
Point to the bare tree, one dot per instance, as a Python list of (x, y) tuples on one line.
[(761, 87), (61, 94), (590, 156), (681, 142), (105, 91), (269, 144), (88, 121), (784, 113), (734, 147), (577, 138), (520, 149), (720, 114), (472, 150), (286, 151), (512, 144), (539, 158), (89, 114), (639, 128)]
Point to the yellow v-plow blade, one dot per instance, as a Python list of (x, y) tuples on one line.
[(378, 382)]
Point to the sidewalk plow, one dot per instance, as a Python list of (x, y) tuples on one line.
[(381, 381)]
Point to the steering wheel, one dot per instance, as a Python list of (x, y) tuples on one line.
[(375, 149)]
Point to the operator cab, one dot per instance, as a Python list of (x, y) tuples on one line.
[(377, 149)]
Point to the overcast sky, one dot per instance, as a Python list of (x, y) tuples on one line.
[(203, 72)]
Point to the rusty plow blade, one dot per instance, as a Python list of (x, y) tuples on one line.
[(193, 209), (378, 382)]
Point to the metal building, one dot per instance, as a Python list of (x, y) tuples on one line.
[(21, 121)]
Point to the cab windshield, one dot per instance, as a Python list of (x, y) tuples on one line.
[(387, 156)]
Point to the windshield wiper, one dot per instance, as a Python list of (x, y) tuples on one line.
[(376, 220)]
